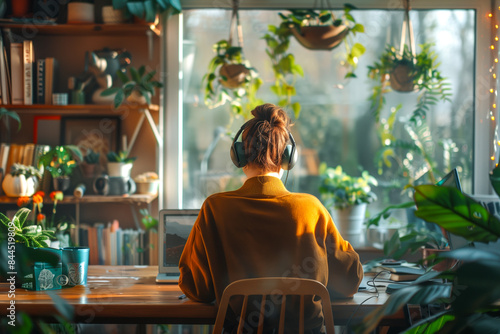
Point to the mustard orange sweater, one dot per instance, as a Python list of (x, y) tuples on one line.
[(263, 230)]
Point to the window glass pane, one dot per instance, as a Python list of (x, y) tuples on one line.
[(337, 124)]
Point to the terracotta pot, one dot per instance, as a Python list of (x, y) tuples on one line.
[(320, 37), (233, 75), (401, 78), (20, 8)]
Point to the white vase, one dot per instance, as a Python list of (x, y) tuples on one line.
[(349, 222), (119, 169)]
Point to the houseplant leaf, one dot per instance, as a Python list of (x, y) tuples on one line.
[(456, 212)]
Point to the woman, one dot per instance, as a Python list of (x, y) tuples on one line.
[(262, 229)]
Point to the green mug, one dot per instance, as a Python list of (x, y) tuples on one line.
[(75, 266)]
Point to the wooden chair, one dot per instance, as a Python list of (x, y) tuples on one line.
[(274, 286)]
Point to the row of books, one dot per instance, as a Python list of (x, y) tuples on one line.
[(111, 245), (26, 154), (23, 78)]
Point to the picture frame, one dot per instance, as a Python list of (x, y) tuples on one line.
[(101, 134)]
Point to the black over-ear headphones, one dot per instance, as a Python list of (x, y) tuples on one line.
[(288, 159)]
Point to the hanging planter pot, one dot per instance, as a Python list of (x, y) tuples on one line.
[(320, 37), (402, 78), (233, 75)]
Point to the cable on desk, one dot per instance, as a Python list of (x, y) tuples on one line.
[(370, 283)]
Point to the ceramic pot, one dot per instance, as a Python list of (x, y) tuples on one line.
[(349, 222), (401, 78), (80, 12), (149, 187), (136, 98), (119, 169), (234, 75), (61, 183), (20, 8), (320, 37)]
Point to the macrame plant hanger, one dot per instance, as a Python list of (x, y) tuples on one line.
[(407, 29), (401, 78), (234, 73), (236, 25)]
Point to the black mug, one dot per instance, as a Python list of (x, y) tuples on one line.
[(114, 185)]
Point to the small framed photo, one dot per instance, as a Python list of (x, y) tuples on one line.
[(101, 134)]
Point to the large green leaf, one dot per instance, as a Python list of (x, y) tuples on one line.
[(430, 325), (456, 212), (423, 293)]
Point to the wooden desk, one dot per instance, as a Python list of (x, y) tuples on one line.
[(129, 294)]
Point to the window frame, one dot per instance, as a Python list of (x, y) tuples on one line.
[(171, 118)]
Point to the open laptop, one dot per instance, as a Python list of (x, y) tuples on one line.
[(174, 227)]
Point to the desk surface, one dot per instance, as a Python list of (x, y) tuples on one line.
[(129, 294)]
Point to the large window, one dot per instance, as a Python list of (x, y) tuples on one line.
[(336, 125)]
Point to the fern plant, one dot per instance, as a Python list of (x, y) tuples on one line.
[(30, 235)]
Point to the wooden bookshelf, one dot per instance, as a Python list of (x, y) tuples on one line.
[(127, 199), (78, 109), (92, 29)]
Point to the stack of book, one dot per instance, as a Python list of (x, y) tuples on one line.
[(111, 245), (23, 78), (399, 273)]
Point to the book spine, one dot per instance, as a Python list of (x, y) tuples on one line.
[(16, 65), (3, 72), (28, 72), (40, 81)]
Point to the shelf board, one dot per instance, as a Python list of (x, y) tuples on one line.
[(90, 29), (77, 109), (135, 198)]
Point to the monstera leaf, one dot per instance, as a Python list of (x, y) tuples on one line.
[(456, 212)]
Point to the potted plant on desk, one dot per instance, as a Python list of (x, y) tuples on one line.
[(347, 197), (37, 266), (469, 295)]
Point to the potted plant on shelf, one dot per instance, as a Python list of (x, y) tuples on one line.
[(323, 30), (230, 77), (120, 164), (60, 161), (346, 197), (21, 181), (147, 183), (138, 86), (90, 163), (148, 10)]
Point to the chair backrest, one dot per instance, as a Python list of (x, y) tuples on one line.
[(274, 286)]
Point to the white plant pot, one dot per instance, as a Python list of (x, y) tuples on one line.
[(80, 12), (136, 98), (149, 187), (119, 169), (349, 222)]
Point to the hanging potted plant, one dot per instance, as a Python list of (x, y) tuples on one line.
[(404, 70), (323, 30), (230, 77), (346, 197)]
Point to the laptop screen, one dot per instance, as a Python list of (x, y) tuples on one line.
[(174, 229)]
